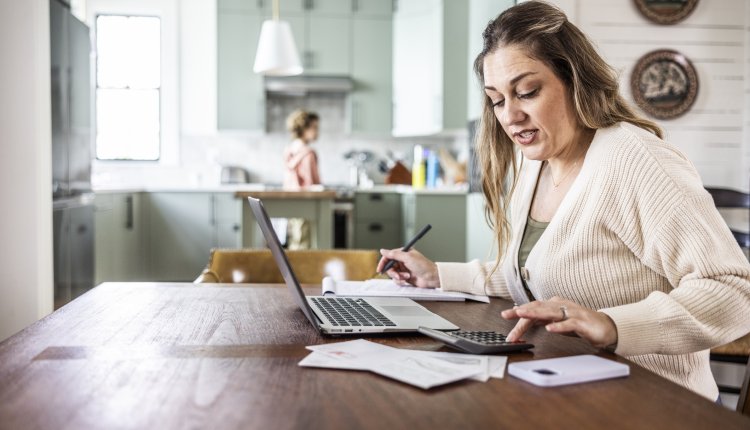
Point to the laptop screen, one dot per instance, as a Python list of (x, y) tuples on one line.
[(278, 254)]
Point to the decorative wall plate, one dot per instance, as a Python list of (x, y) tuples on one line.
[(664, 84), (666, 11)]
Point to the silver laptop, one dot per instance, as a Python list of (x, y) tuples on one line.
[(348, 315)]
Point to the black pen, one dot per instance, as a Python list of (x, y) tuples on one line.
[(407, 247)]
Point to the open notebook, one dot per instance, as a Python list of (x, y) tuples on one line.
[(388, 288)]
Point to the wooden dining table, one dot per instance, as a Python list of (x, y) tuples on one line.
[(177, 355)]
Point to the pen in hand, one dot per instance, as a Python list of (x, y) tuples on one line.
[(407, 247)]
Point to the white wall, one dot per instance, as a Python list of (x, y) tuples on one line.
[(198, 65), (26, 292), (714, 133)]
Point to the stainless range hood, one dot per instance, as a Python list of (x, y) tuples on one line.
[(302, 85)]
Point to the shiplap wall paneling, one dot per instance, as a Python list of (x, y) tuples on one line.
[(713, 134)]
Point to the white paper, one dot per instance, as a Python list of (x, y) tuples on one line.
[(388, 288), (424, 369)]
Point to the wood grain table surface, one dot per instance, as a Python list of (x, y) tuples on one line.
[(171, 355)]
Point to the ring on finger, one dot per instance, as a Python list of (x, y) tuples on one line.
[(564, 310)]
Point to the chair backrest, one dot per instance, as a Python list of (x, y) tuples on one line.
[(743, 405), (310, 265), (726, 198)]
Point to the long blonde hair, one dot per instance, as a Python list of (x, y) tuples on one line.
[(546, 35)]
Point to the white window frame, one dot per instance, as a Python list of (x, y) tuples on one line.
[(97, 87), (167, 12)]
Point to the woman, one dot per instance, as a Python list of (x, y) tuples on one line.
[(300, 161), (300, 171), (609, 234)]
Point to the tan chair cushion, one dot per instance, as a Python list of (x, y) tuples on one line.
[(310, 266), (739, 347)]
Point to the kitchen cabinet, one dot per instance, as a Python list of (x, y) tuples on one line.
[(73, 256), (228, 220), (429, 66), (480, 238), (257, 7), (119, 240), (321, 29), (240, 93), (377, 220), (333, 37), (371, 101), (184, 226), (372, 8), (446, 241), (327, 47)]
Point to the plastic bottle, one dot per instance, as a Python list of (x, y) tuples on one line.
[(432, 169), (418, 168)]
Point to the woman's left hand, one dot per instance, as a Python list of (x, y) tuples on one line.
[(564, 317)]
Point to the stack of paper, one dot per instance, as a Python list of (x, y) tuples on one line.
[(424, 369), (388, 288)]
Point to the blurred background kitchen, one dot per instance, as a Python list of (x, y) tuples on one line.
[(133, 129)]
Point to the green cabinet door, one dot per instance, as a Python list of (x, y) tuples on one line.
[(228, 217), (128, 228), (447, 215), (103, 239), (119, 246), (295, 7), (241, 99), (331, 7), (257, 7), (328, 45), (372, 8), (180, 234), (371, 100), (377, 220)]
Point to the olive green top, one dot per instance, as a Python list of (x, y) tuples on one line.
[(531, 234)]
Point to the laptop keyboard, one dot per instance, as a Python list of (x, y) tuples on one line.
[(344, 312)]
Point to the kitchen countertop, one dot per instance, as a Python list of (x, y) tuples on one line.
[(273, 191), (407, 189), (281, 194)]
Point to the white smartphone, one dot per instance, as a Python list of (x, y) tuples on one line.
[(568, 370)]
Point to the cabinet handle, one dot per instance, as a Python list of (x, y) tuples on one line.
[(129, 212), (261, 4), (355, 6), (375, 227), (376, 197), (309, 4), (236, 227)]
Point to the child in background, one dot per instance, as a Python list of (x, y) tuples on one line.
[(300, 170), (301, 161)]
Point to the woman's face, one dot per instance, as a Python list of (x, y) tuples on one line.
[(531, 103), (311, 133)]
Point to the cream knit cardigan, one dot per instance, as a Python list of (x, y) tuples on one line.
[(638, 238)]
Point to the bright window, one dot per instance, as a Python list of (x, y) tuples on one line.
[(128, 86)]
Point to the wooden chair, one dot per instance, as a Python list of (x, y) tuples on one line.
[(743, 405), (309, 265), (739, 350)]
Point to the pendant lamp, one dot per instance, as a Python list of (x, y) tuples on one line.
[(277, 54)]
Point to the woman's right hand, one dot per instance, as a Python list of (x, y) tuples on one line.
[(411, 268)]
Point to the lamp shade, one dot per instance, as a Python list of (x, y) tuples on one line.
[(277, 54)]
